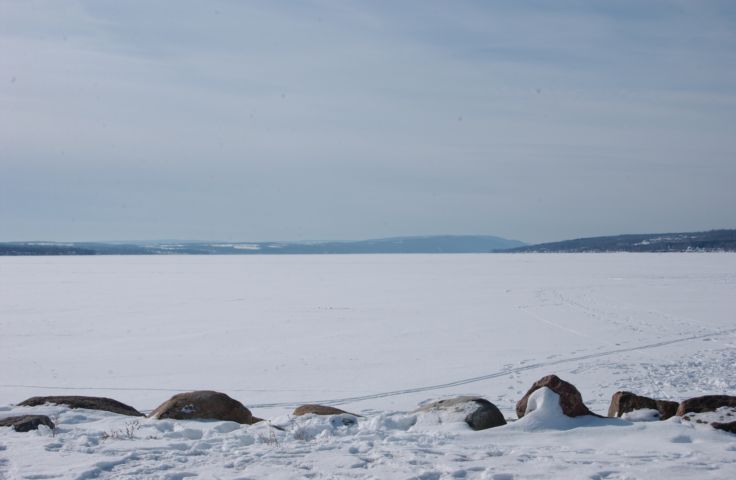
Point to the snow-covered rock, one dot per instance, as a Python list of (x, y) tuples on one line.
[(478, 413), (79, 401), (705, 403), (623, 402), (544, 412), (570, 399), (319, 410)]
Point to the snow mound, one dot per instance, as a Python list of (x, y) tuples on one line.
[(310, 427), (642, 415), (446, 418), (543, 412)]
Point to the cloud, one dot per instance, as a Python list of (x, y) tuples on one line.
[(352, 119)]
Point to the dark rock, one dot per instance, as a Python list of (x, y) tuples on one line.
[(91, 403), (481, 415), (571, 401), (319, 410), (486, 416), (203, 405), (624, 402), (727, 427), (26, 423), (707, 403), (667, 408)]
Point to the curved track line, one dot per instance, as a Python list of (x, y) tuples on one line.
[(500, 373), (406, 391)]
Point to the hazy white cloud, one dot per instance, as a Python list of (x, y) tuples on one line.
[(264, 120)]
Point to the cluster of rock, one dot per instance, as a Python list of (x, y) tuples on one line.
[(479, 413)]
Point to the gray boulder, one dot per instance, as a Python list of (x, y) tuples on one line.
[(91, 403), (26, 423), (480, 414)]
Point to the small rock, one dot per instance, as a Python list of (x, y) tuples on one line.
[(625, 402), (707, 403), (571, 401), (26, 423), (90, 403), (203, 405), (727, 427), (319, 410)]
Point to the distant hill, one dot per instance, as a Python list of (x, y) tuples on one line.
[(713, 240), (426, 244)]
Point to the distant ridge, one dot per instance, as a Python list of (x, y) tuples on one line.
[(710, 241), (424, 244)]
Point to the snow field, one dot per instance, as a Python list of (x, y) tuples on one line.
[(375, 335)]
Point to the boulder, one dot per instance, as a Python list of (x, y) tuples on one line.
[(571, 401), (479, 413), (625, 402), (26, 423), (91, 403), (707, 403), (319, 410), (203, 405)]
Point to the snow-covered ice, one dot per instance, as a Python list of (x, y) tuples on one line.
[(375, 335)]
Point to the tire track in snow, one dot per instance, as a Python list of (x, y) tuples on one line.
[(406, 391), (539, 318), (500, 373)]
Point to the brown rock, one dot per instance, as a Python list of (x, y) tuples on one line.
[(91, 403), (624, 402), (571, 401), (26, 423), (319, 410), (203, 405), (707, 403), (727, 427), (667, 408)]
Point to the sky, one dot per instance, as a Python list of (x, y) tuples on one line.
[(314, 120)]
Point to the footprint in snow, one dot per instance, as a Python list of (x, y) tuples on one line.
[(682, 439)]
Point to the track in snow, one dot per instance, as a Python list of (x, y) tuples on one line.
[(425, 388)]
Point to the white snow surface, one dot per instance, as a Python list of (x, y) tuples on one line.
[(375, 335)]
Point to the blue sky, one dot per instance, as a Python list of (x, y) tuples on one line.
[(336, 119)]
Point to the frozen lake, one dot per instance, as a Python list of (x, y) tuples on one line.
[(287, 329), (371, 333)]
